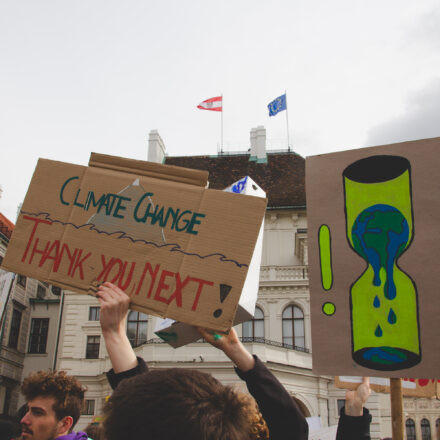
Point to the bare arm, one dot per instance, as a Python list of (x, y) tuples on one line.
[(114, 310)]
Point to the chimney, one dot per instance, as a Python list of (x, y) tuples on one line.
[(258, 144), (156, 147), (253, 142)]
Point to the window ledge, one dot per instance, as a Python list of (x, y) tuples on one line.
[(91, 325)]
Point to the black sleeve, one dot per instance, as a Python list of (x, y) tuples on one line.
[(114, 378), (281, 413), (350, 427)]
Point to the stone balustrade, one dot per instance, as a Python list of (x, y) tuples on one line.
[(283, 273)]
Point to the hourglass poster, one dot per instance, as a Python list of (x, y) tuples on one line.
[(374, 242)]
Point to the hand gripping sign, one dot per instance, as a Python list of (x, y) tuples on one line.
[(153, 230)]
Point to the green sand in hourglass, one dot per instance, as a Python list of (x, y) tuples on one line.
[(385, 334)]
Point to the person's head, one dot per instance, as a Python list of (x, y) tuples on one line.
[(176, 404), (54, 402)]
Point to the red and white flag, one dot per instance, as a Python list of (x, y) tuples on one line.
[(214, 104)]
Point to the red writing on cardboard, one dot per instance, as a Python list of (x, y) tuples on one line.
[(154, 282)]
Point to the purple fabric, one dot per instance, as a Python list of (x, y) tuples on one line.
[(74, 436)]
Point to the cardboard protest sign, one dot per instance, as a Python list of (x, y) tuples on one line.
[(178, 334), (410, 387), (373, 247), (178, 249)]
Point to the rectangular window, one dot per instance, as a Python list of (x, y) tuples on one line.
[(15, 329), (88, 408), (341, 403), (41, 291), (137, 328), (247, 329), (38, 336), (21, 280), (287, 333), (259, 328), (94, 313), (298, 328), (92, 350)]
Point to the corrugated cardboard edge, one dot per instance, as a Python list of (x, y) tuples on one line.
[(149, 169)]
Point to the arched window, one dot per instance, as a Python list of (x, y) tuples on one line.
[(255, 327), (410, 429), (293, 327), (426, 429), (137, 328)]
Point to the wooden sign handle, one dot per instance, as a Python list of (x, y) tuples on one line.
[(397, 408)]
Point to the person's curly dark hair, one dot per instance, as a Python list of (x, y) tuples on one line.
[(66, 390), (259, 428), (176, 404)]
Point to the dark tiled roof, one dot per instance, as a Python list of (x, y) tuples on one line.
[(6, 226), (282, 177)]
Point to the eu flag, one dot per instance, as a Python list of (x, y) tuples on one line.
[(277, 105)]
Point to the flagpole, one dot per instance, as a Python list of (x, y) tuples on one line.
[(287, 122), (221, 128)]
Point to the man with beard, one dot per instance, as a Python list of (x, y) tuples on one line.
[(54, 401)]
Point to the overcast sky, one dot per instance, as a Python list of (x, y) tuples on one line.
[(97, 75)]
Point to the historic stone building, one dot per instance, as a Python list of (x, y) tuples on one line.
[(280, 333), (29, 330)]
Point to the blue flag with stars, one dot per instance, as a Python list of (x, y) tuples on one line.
[(277, 105)]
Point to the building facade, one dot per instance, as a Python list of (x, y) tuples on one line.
[(30, 325), (280, 333)]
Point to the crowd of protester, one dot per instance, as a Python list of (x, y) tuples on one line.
[(174, 403)]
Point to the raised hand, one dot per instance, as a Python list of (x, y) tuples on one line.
[(114, 308), (113, 318), (231, 346), (355, 400)]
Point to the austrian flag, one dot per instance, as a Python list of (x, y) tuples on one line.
[(214, 104)]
